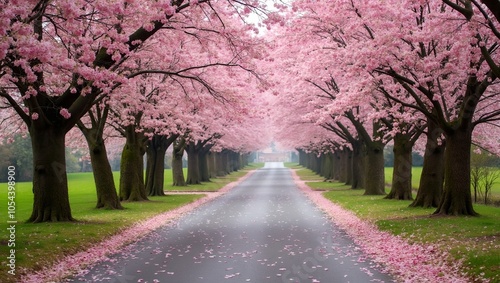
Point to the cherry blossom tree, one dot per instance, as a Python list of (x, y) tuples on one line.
[(444, 63), (58, 57), (449, 95)]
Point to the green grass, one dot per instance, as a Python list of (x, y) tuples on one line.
[(308, 175), (476, 240), (416, 172), (40, 245)]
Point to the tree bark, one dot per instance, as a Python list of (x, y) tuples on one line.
[(212, 166), (302, 158), (336, 165), (344, 165), (132, 187), (107, 196), (193, 176), (220, 166), (244, 160), (431, 181), (226, 161), (326, 167), (203, 165), (235, 161), (456, 198), (348, 167), (374, 180), (155, 168), (356, 167), (50, 184), (177, 171), (401, 176)]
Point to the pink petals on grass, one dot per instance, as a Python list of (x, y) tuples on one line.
[(407, 262), (73, 264)]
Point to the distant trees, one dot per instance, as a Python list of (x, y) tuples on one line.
[(485, 172)]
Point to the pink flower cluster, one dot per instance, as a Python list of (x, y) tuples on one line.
[(65, 113), (74, 264), (407, 262)]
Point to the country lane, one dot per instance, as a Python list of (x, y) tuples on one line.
[(263, 230)]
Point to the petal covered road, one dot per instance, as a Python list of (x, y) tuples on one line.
[(264, 230)]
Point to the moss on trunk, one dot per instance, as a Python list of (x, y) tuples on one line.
[(132, 187)]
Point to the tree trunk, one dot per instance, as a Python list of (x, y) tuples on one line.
[(155, 168), (219, 162), (226, 162), (316, 163), (193, 176), (401, 176), (431, 181), (348, 167), (132, 187), (177, 171), (244, 160), (302, 158), (356, 167), (107, 197), (326, 167), (236, 158), (344, 166), (456, 198), (50, 184), (374, 179), (203, 165), (212, 166), (336, 165)]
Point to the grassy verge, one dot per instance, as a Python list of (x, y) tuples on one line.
[(41, 245), (475, 240)]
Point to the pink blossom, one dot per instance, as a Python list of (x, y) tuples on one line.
[(170, 10), (148, 26), (65, 113), (34, 116)]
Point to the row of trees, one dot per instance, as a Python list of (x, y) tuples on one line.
[(152, 73), (422, 75)]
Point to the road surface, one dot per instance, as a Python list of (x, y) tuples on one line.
[(264, 230)]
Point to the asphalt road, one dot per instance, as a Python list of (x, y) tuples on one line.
[(264, 230)]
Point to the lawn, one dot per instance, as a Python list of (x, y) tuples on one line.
[(471, 239), (40, 245)]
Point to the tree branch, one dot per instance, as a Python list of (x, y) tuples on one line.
[(466, 10), (16, 107)]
